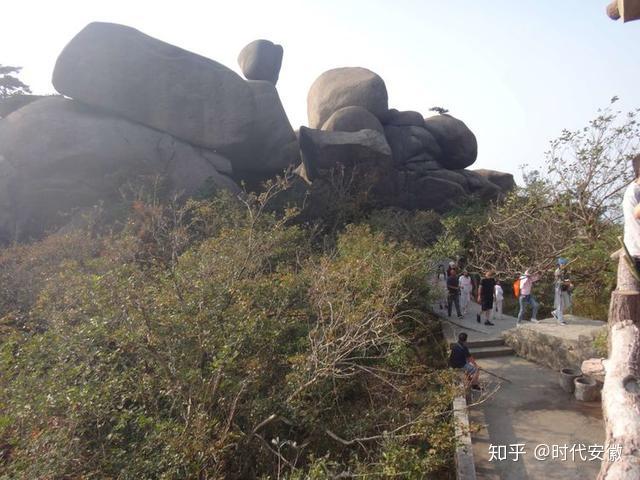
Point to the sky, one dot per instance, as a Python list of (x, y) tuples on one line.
[(516, 72)]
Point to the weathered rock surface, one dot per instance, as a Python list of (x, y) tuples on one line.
[(323, 150), (261, 60), (57, 155), (503, 180), (412, 144), (352, 119), (345, 87), (458, 143), (16, 102), (126, 72), (274, 144), (406, 118)]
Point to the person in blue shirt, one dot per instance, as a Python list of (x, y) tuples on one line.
[(461, 358)]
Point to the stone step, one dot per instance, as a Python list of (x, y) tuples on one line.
[(488, 352)]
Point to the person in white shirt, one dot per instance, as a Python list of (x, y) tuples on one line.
[(498, 295), (561, 286), (631, 211), (466, 287)]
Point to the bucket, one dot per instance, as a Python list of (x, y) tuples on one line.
[(567, 377), (586, 389)]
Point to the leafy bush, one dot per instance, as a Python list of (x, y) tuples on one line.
[(218, 340)]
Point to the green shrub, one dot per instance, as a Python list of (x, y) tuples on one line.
[(216, 340)]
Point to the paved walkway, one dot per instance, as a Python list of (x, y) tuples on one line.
[(533, 410), (476, 331)]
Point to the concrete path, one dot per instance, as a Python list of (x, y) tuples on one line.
[(534, 410)]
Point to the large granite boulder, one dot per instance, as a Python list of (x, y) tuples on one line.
[(322, 150), (15, 102), (261, 60), (274, 143), (427, 192), (352, 119), (57, 155), (345, 87), (458, 143), (193, 98)]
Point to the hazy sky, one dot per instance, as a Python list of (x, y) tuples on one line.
[(516, 72)]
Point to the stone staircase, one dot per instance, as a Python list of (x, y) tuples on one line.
[(488, 348)]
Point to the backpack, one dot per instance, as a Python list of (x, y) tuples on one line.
[(516, 288)]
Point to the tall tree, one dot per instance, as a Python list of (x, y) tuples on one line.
[(10, 84)]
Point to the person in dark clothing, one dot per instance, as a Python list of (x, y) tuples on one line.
[(453, 289), (461, 358), (485, 296)]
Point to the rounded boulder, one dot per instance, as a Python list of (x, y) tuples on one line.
[(261, 60), (352, 119), (458, 143), (344, 87)]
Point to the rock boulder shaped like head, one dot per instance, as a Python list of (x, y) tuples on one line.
[(346, 87)]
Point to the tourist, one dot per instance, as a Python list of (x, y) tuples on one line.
[(466, 287), (526, 284), (485, 296), (441, 279), (452, 266), (561, 289), (453, 289), (631, 211), (461, 358), (498, 296)]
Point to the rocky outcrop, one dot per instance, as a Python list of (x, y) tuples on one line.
[(143, 107), (261, 60), (128, 73), (57, 155), (346, 87), (274, 145), (352, 119), (195, 99), (458, 143), (322, 150)]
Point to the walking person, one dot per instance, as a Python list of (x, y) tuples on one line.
[(561, 287), (526, 285), (441, 279), (485, 296), (466, 287), (453, 289), (498, 296)]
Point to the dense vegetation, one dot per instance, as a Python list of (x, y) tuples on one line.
[(220, 340)]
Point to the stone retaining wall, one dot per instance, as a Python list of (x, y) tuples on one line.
[(556, 351)]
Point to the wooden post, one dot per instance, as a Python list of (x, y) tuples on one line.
[(621, 392)]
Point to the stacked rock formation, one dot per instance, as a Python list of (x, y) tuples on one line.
[(134, 106), (423, 159), (137, 106)]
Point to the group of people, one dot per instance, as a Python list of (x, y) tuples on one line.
[(459, 291), (490, 294), (461, 357)]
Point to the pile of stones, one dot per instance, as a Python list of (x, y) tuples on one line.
[(132, 106)]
